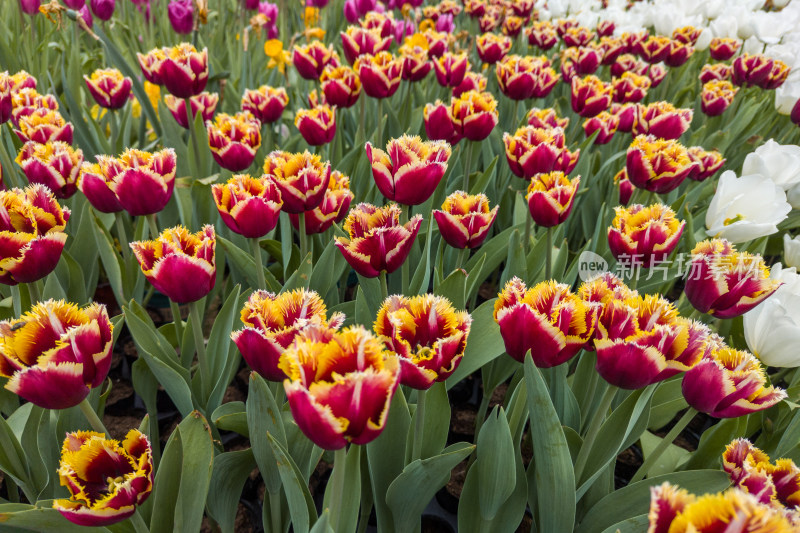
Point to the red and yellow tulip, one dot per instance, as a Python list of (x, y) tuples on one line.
[(658, 165), (248, 206), (54, 164), (234, 140), (340, 85), (641, 235), (465, 219), (44, 125), (317, 125), (265, 103), (183, 70), (204, 103), (109, 88), (302, 179), (550, 197), (333, 208), (532, 151), (380, 74), (590, 96)]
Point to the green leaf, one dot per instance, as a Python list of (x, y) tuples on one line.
[(41, 517), (669, 459), (244, 263), (436, 423), (495, 464), (301, 505), (351, 498), (713, 442), (223, 356), (230, 473), (13, 460), (636, 524), (264, 416), (301, 276), (421, 279), (454, 288), (484, 343), (329, 268), (555, 478), (112, 263), (231, 416), (323, 524)]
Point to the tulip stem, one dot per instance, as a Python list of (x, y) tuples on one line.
[(199, 342), (94, 420), (463, 256), (467, 161), (404, 267), (176, 319), (594, 429), (262, 282), (275, 511), (419, 426), (337, 486), (651, 459), (33, 291), (301, 230), (548, 257), (153, 223), (526, 246), (122, 235), (16, 300), (384, 286), (138, 523), (379, 140), (195, 146)]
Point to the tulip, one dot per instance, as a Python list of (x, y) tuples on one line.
[(725, 283), (546, 118), (475, 8), (465, 220), (56, 353), (612, 48), (106, 479), (547, 320), (654, 50), (340, 86), (550, 198), (687, 35), (590, 96), (778, 162), (777, 76), (6, 88), (791, 250), (707, 163), (579, 61), (438, 125), (542, 35), (103, 9), (644, 235), (181, 16), (248, 206), (445, 23), (204, 103), (750, 70), (625, 187), (410, 169), (380, 74), (333, 208), (716, 97), (532, 151), (374, 20), (717, 71), (30, 7), (25, 101), (54, 164), (656, 73), (657, 165), (729, 383), (605, 28), (662, 120), (613, 307), (512, 25), (634, 40), (492, 47), (661, 345), (234, 140), (141, 181), (183, 70), (776, 484), (273, 322), (517, 76), (346, 400), (472, 82), (626, 113), (746, 208), (723, 48), (43, 126), (179, 264), (562, 25), (317, 125), (311, 59), (377, 242), (302, 179), (359, 41), (577, 36), (265, 103), (450, 69), (630, 87), (150, 63), (606, 123), (679, 53), (628, 63), (415, 60), (474, 115), (93, 183), (739, 455)]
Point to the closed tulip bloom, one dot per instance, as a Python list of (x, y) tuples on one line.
[(44, 125), (630, 87), (541, 35), (272, 322), (54, 164), (662, 120), (184, 70), (628, 63), (777, 76), (142, 181), (546, 118), (179, 264), (512, 25), (450, 68), (474, 8), (661, 345), (94, 183), (32, 232), (605, 28), (150, 63), (492, 47), (181, 16), (547, 319), (6, 86), (374, 20), (725, 283), (340, 86), (723, 48), (579, 62), (377, 241), (106, 479), (234, 140), (590, 96), (656, 73), (729, 383), (248, 206), (474, 115), (679, 53), (358, 41), (380, 74), (577, 36), (750, 70), (311, 59), (644, 235), (30, 7), (302, 179), (550, 197), (654, 50), (517, 76), (532, 151), (626, 113), (103, 9), (416, 65), (472, 82), (716, 97), (707, 162), (465, 220), (204, 103), (562, 25), (606, 123), (333, 208), (611, 48), (410, 169), (438, 42), (657, 165), (687, 34), (777, 161), (316, 125), (265, 103), (428, 335), (438, 125), (772, 328), (56, 353), (717, 71)]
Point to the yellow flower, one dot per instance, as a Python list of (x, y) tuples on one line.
[(311, 17), (278, 57)]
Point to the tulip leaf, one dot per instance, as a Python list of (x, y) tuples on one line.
[(245, 265), (13, 460), (421, 279), (634, 499), (484, 343), (635, 524), (351, 496), (363, 313), (183, 478), (301, 505), (495, 464), (231, 470), (713, 442), (669, 459), (323, 524), (371, 291), (436, 424), (495, 250), (667, 401), (515, 260), (302, 275), (480, 184), (264, 416), (412, 490), (555, 479), (329, 268), (40, 517), (223, 356), (454, 289), (231, 416), (110, 259)]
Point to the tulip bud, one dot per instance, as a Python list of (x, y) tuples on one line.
[(265, 103), (628, 63), (658, 165), (750, 70), (577, 36), (141, 181), (465, 220), (550, 198), (723, 48), (30, 7), (630, 87), (234, 140), (181, 15), (654, 50), (450, 69), (717, 71), (531, 151), (380, 74), (612, 48), (44, 125), (109, 88), (333, 208), (645, 236), (311, 59), (590, 96), (204, 103), (605, 28), (438, 125), (248, 206), (183, 70), (662, 120), (474, 115), (358, 41), (625, 186), (492, 47), (716, 97), (606, 123), (103, 9), (708, 163)]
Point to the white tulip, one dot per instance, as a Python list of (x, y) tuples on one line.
[(745, 208), (772, 328), (778, 162), (791, 250)]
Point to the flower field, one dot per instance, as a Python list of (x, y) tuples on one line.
[(352, 266)]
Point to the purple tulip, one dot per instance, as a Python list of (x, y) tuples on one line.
[(181, 15), (365, 6), (350, 11), (316, 3), (75, 4), (269, 10), (103, 9), (30, 7), (86, 15), (403, 28), (445, 23), (252, 5)]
